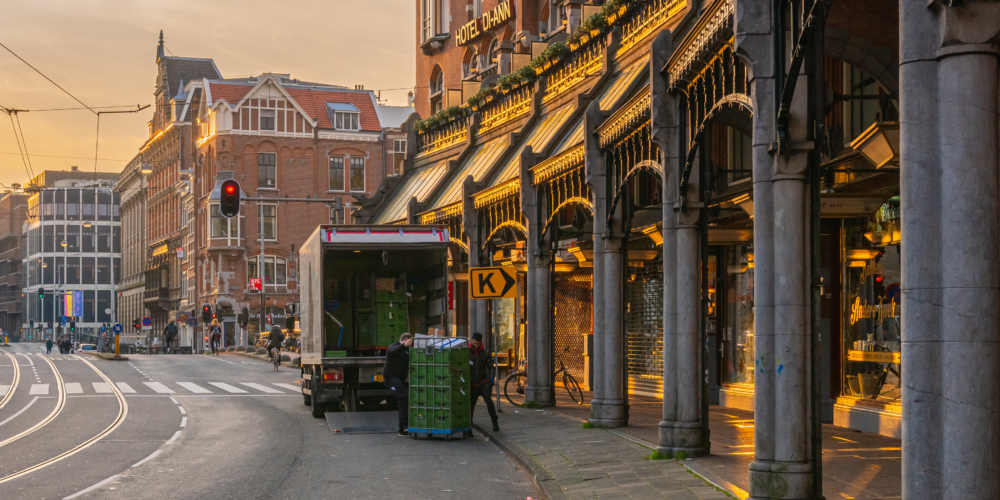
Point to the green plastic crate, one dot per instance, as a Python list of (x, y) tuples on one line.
[(419, 396), (450, 419), (418, 375), (335, 354), (421, 418)]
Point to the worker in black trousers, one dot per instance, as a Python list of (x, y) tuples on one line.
[(479, 374), (397, 367)]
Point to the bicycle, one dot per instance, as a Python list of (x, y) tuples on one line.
[(276, 357), (518, 380)]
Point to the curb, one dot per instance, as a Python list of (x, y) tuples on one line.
[(107, 356), (547, 487)]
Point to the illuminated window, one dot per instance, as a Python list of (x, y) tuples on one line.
[(337, 173), (357, 173)]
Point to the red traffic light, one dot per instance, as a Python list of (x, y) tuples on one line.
[(878, 279), (230, 189), (229, 198)]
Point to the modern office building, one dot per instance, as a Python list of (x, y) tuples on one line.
[(13, 214), (72, 249)]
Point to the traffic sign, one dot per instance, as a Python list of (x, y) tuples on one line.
[(255, 284), (492, 282), (117, 328), (147, 323)]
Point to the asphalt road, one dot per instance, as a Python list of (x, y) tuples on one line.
[(188, 426)]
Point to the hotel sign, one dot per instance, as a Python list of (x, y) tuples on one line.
[(489, 20)]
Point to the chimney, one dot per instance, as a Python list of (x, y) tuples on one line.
[(359, 87)]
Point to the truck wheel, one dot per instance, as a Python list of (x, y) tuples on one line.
[(318, 409)]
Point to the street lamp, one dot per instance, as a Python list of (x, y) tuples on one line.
[(146, 168), (87, 223), (64, 243)]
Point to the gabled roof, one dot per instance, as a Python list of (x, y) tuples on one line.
[(185, 69), (314, 101)]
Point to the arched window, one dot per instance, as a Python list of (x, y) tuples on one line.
[(437, 80), (470, 64), (492, 56)]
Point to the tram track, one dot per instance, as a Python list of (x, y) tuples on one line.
[(60, 403), (13, 384), (122, 414)]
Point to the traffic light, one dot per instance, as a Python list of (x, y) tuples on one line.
[(31, 325), (137, 324), (229, 200), (72, 326), (206, 313), (41, 293), (244, 318)]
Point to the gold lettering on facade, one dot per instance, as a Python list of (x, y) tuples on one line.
[(489, 20), (880, 311)]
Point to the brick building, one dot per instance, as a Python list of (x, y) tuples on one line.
[(453, 64), (280, 138)]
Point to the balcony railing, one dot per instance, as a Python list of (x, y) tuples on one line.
[(581, 64), (447, 136), (650, 17), (506, 107)]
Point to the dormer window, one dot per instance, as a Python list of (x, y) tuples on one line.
[(267, 119), (344, 116), (347, 121)]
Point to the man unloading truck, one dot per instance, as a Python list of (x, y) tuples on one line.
[(397, 366), (479, 373)]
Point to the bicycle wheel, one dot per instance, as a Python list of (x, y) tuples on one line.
[(513, 388), (573, 388)]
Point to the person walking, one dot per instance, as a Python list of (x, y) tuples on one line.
[(48, 346), (170, 333), (397, 366), (479, 379), (216, 333)]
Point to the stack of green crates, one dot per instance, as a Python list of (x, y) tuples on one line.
[(391, 316), (439, 390)]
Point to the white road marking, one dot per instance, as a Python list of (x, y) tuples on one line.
[(184, 421), (195, 388), (72, 388), (92, 488), (102, 388), (27, 358), (290, 387), (4, 389), (150, 457), (125, 388), (174, 400), (39, 389), (262, 388), (20, 412), (171, 440), (159, 388), (228, 388), (181, 408)]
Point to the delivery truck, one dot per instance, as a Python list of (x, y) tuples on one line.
[(361, 288)]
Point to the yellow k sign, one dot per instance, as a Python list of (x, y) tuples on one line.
[(492, 282)]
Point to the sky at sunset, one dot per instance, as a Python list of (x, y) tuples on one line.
[(104, 53)]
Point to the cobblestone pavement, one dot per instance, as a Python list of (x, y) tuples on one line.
[(570, 462)]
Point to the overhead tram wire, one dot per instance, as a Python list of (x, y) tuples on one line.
[(25, 142), (18, 139), (47, 78)]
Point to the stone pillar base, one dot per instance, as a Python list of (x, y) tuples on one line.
[(539, 396), (683, 437), (612, 415), (785, 480)]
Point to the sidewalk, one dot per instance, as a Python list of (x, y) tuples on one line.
[(567, 459)]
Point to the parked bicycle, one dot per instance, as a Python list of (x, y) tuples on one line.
[(515, 383)]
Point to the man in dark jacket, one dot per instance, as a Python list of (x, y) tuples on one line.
[(479, 374), (397, 367), (170, 333)]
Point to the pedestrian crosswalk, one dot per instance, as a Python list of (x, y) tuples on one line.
[(160, 388)]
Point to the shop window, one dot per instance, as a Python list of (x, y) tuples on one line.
[(737, 327), (357, 173), (267, 174), (337, 173), (267, 119), (871, 320)]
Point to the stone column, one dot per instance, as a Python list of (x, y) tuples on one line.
[(950, 278), (504, 51), (540, 389), (592, 162), (782, 467), (478, 314)]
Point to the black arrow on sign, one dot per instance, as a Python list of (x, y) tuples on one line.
[(508, 283), (484, 281)]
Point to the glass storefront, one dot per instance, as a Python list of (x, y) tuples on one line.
[(871, 313), (738, 330)]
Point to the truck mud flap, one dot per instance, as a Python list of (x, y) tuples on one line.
[(374, 392), (327, 395)]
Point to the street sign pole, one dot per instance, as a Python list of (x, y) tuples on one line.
[(487, 283), (496, 359)]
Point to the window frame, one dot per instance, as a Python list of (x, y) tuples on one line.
[(268, 169), (262, 116), (350, 176), (341, 117), (273, 236), (231, 223), (342, 176)]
